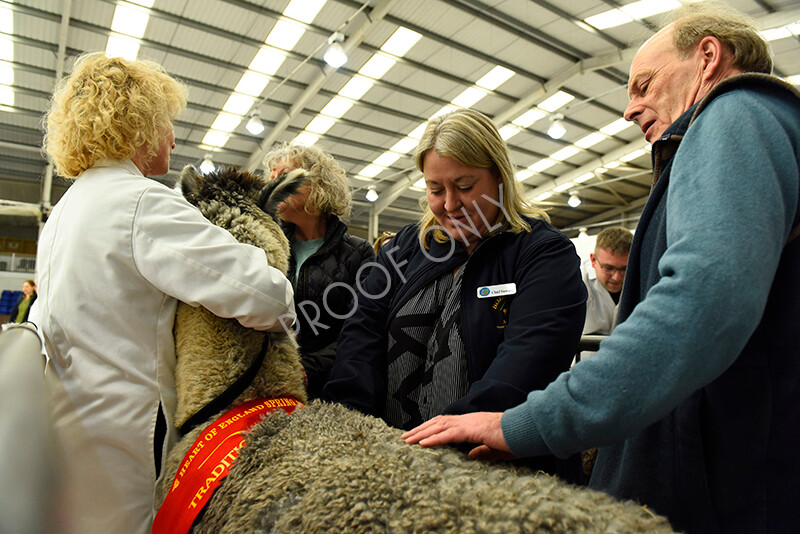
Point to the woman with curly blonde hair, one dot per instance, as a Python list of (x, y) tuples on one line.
[(117, 253), (324, 257)]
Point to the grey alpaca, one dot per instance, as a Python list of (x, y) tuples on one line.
[(327, 468)]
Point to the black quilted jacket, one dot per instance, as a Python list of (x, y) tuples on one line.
[(320, 316)]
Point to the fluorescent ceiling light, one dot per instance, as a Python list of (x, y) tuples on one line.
[(6, 74), (583, 178), (214, 138), (782, 32), (558, 100), (285, 34), (648, 8), (337, 107), (387, 158), (543, 196), (305, 139), (590, 140), (226, 122), (404, 146), (6, 95), (630, 12), (416, 134), (529, 117), (611, 165), (633, 155), (252, 83), (6, 20), (371, 170), (267, 61), (420, 184), (564, 153), (524, 174), (542, 165), (608, 19), (563, 187), (356, 87), (468, 97), (776, 33), (616, 126), (129, 21), (238, 104), (508, 131), (495, 78), (303, 10), (6, 49), (401, 41), (363, 178), (377, 66), (447, 109), (320, 124), (121, 46)]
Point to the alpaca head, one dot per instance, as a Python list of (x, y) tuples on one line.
[(212, 352), (245, 204)]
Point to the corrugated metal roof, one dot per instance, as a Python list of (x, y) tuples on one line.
[(210, 43)]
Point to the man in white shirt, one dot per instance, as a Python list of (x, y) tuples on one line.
[(604, 279)]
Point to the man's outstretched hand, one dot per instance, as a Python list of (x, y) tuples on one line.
[(478, 427)]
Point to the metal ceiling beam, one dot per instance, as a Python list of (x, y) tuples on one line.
[(776, 20), (588, 167), (47, 178), (378, 12), (399, 187), (562, 78), (19, 209), (62, 39), (22, 148), (606, 215)]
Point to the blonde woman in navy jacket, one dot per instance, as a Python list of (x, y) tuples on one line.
[(472, 308)]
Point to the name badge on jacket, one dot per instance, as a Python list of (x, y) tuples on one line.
[(485, 292)]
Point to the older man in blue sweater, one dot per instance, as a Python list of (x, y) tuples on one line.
[(694, 399)]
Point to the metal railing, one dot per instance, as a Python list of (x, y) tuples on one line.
[(17, 263)]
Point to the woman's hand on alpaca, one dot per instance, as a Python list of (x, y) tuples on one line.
[(478, 427)]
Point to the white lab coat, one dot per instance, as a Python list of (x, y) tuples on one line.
[(601, 311), (116, 255)]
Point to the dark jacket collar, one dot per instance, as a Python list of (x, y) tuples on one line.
[(664, 147)]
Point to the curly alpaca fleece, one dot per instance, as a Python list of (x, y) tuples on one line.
[(327, 468)]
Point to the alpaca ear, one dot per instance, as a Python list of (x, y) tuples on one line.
[(190, 181), (281, 188)]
